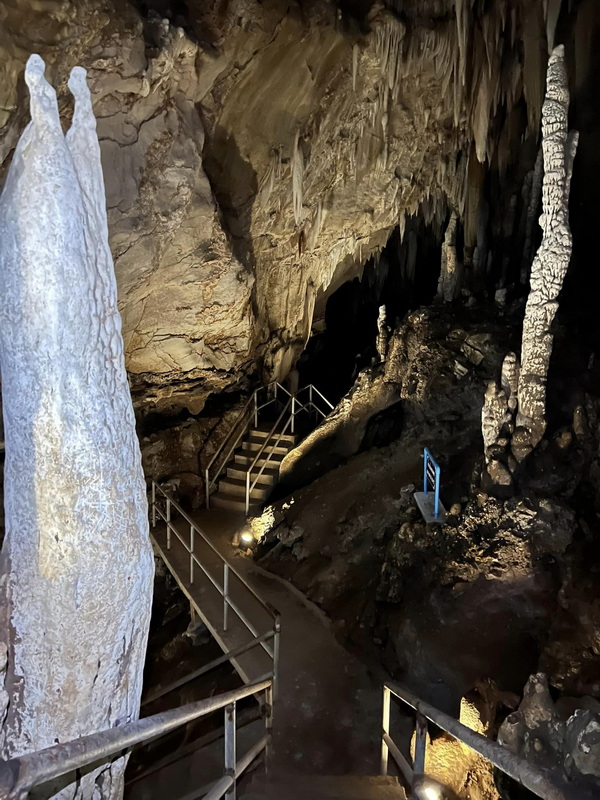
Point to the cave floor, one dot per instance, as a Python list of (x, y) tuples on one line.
[(328, 711)]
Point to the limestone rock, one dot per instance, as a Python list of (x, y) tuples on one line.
[(77, 546), (552, 259), (229, 220), (538, 733)]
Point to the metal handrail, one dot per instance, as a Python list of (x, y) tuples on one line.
[(264, 603), (313, 388), (268, 440), (19, 775), (537, 780), (296, 406), (207, 481), (228, 570), (252, 401), (231, 654)]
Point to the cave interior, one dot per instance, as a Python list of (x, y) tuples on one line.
[(344, 231)]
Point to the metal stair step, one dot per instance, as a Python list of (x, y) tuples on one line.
[(254, 445), (237, 488), (257, 433), (268, 476), (246, 458)]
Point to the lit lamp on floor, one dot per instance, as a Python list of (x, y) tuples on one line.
[(425, 788), (245, 539)]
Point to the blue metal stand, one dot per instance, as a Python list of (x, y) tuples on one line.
[(429, 499)]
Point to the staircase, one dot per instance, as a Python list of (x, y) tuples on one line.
[(245, 467), (231, 493), (323, 787)]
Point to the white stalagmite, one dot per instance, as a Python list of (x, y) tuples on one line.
[(77, 564), (552, 259)]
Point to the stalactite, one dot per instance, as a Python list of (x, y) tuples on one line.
[(297, 179), (552, 259), (552, 12)]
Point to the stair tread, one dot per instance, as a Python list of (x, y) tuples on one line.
[(241, 482), (257, 433), (237, 488), (253, 446), (268, 475), (250, 455)]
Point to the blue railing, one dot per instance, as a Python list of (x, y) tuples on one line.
[(431, 479)]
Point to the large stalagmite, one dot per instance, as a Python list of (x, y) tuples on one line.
[(552, 259), (77, 563)]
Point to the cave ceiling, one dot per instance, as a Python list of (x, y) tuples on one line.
[(256, 154)]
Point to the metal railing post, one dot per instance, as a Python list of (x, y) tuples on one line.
[(207, 486), (276, 645), (385, 730), (191, 554), (168, 523), (437, 492), (225, 594), (153, 504), (293, 414), (425, 458), (230, 754), (420, 746), (256, 409), (248, 491), (269, 724)]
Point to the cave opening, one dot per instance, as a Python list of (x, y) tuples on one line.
[(402, 277)]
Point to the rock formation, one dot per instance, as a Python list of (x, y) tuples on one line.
[(514, 411), (383, 335), (77, 564), (449, 283), (563, 735), (241, 194), (552, 259)]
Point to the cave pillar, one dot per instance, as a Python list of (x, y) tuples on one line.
[(383, 334), (449, 284), (552, 259), (76, 566)]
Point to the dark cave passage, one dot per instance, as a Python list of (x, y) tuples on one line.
[(403, 277)]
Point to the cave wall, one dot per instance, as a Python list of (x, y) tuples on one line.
[(255, 156)]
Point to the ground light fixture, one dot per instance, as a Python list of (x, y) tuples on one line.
[(428, 789), (245, 539)]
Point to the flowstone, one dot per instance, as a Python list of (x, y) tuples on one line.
[(77, 566)]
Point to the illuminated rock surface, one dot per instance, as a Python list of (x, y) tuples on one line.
[(77, 562)]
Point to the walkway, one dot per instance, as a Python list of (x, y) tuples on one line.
[(328, 712)]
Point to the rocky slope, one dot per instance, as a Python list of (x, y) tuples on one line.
[(505, 588)]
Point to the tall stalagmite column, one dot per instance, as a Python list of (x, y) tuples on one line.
[(552, 259), (77, 564)]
